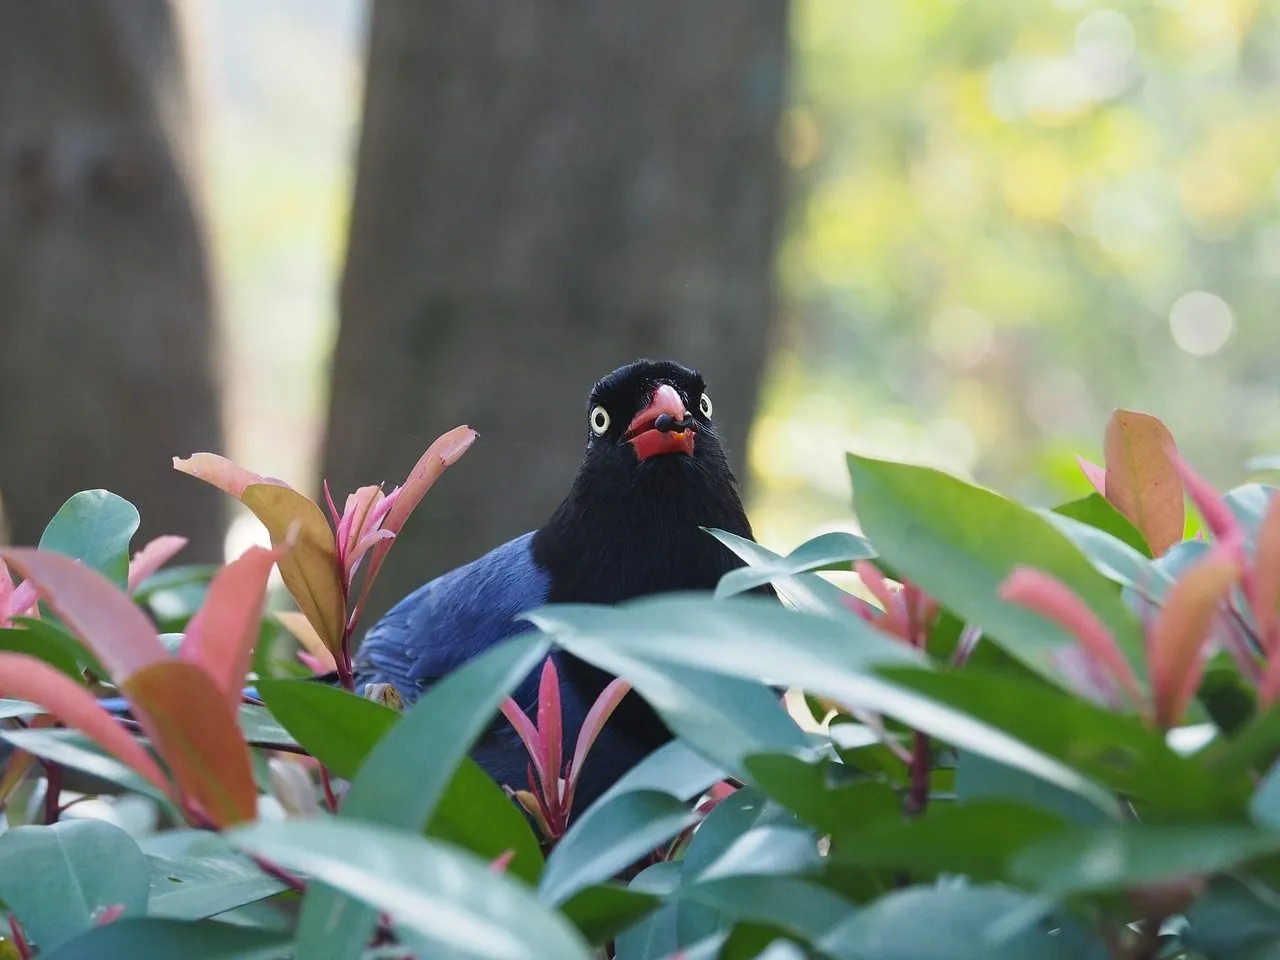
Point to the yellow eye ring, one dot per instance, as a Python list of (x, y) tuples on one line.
[(704, 405), (599, 421)]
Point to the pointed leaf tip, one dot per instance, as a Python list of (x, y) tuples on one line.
[(1141, 480), (1094, 474), (152, 557)]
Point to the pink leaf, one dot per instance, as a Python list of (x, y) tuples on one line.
[(333, 510), (592, 724), (549, 728), (222, 473), (1095, 474), (503, 860), (1141, 480), (354, 514), (220, 637), (1266, 577), (1217, 515), (352, 559), (6, 592), (93, 608), (152, 557), (1054, 600), (315, 664), (304, 632), (528, 733), (23, 599), (26, 678), (1179, 634), (104, 915), (443, 453)]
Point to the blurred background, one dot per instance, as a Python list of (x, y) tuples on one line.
[(315, 234)]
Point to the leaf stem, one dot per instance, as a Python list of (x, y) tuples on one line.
[(53, 791), (921, 762), (329, 799), (19, 938)]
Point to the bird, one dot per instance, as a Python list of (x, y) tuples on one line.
[(653, 473)]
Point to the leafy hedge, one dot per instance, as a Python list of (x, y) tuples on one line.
[(1030, 733)]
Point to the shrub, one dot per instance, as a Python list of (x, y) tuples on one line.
[(1030, 733)]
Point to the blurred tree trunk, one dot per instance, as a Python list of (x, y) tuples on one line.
[(546, 191), (106, 338)]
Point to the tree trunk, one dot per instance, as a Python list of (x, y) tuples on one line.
[(106, 337), (544, 192)]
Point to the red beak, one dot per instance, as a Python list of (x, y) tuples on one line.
[(647, 439)]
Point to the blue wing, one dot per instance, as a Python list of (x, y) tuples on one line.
[(452, 618)]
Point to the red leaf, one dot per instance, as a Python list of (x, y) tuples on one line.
[(1217, 515), (1095, 474), (592, 724), (194, 728), (1266, 578), (527, 732), (152, 557), (220, 637), (1141, 479), (1180, 632), (93, 608), (26, 678), (549, 729), (447, 449), (1054, 600)]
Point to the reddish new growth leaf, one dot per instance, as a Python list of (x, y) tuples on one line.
[(549, 799), (1141, 480), (320, 566), (152, 557), (906, 612)]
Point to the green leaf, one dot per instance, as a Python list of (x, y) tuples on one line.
[(34, 644), (162, 939), (731, 818), (609, 838), (195, 874), (824, 793), (1096, 511), (335, 726), (648, 642), (18, 708), (70, 748), (57, 878), (673, 768), (805, 591), (975, 839), (602, 911), (1249, 503), (796, 906), (260, 727), (1113, 857), (1118, 750), (449, 897), (404, 777), (980, 778), (95, 527), (947, 923), (958, 543), (829, 551), (476, 815), (62, 646), (1113, 558), (1234, 914)]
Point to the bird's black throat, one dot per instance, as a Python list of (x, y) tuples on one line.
[(631, 529)]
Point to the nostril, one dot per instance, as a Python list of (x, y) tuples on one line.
[(665, 423)]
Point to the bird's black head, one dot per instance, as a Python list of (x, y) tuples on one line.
[(651, 418), (652, 475)]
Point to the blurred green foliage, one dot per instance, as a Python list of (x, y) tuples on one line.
[(1008, 218)]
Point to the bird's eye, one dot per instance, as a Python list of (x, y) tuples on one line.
[(599, 421), (705, 406)]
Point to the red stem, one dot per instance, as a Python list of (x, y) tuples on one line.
[(918, 797), (53, 791), (19, 939), (330, 800)]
